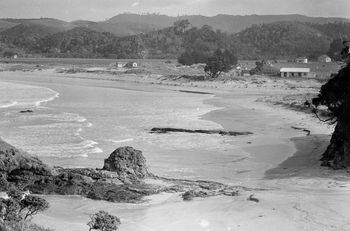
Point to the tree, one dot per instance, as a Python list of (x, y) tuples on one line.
[(19, 206), (335, 96), (181, 25), (104, 221), (32, 205), (189, 58), (9, 210), (334, 48), (219, 62), (8, 54)]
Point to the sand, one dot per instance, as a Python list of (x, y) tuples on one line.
[(282, 164)]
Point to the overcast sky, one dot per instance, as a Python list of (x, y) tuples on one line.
[(99, 10)]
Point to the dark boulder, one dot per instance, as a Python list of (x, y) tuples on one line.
[(128, 163)]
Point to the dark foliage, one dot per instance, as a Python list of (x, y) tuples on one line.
[(8, 54), (219, 62), (283, 39), (335, 96), (263, 67), (104, 221), (334, 48), (19, 206)]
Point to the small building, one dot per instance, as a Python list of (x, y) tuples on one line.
[(131, 65), (120, 64), (324, 59), (294, 72), (301, 60), (245, 73)]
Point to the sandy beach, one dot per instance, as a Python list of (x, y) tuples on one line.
[(279, 162)]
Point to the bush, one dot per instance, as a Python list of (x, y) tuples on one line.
[(20, 206), (104, 221), (219, 62), (188, 196), (190, 58)]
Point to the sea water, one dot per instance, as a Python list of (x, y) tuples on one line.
[(43, 131), (78, 124)]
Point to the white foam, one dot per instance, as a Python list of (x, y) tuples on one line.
[(77, 133), (56, 95), (96, 150), (86, 144), (122, 141), (8, 104)]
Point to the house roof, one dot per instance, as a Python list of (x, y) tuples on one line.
[(294, 69)]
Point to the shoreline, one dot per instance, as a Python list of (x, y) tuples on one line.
[(214, 101), (284, 201)]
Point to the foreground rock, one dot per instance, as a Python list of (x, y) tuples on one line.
[(128, 163), (219, 132), (122, 179)]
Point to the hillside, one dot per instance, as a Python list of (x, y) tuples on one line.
[(6, 25), (26, 36), (133, 37), (131, 24), (226, 23), (77, 42), (282, 40)]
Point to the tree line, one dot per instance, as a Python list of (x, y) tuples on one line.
[(266, 41)]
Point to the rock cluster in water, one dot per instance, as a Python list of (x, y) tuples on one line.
[(122, 178)]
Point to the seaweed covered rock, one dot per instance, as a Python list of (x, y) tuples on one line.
[(128, 162)]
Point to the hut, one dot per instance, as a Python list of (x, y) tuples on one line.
[(120, 64), (294, 72), (301, 60), (324, 59), (131, 65)]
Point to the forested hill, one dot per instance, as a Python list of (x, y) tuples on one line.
[(227, 23), (54, 38), (288, 40)]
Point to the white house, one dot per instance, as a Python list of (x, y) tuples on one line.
[(294, 72), (120, 64), (127, 64), (324, 59), (301, 60), (131, 65)]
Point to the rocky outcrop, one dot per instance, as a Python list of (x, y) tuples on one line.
[(122, 183), (18, 167), (122, 178), (201, 131), (128, 163)]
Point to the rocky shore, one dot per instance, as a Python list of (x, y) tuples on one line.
[(123, 178)]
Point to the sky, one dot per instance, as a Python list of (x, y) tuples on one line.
[(99, 10)]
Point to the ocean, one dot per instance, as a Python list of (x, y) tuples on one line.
[(79, 123)]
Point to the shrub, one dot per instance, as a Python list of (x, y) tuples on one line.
[(104, 221)]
